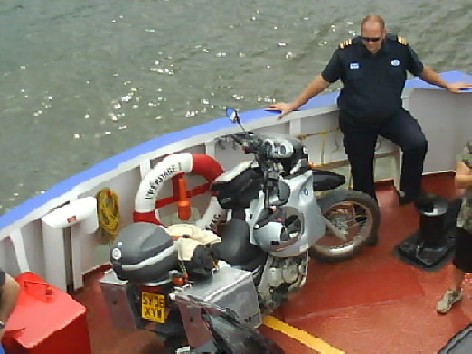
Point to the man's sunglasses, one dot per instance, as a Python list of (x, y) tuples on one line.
[(371, 39)]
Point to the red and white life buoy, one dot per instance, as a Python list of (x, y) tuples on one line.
[(172, 167)]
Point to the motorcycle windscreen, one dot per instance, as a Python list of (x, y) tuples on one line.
[(206, 323)]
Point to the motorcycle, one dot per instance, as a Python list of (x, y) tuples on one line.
[(212, 329), (280, 210), (276, 219)]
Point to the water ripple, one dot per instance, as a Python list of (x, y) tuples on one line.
[(82, 81)]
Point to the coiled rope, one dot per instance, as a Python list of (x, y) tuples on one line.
[(108, 215)]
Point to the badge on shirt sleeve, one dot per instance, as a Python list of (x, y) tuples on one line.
[(354, 66), (402, 40), (395, 62)]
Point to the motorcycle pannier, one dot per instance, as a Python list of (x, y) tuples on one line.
[(142, 253), (232, 289)]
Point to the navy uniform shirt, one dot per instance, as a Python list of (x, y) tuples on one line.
[(373, 83)]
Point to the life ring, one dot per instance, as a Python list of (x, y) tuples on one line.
[(172, 167)]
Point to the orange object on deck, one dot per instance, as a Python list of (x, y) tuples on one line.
[(46, 320)]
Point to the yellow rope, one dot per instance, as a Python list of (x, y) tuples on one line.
[(108, 215), (321, 132), (324, 134)]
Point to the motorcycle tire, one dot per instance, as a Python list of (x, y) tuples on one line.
[(367, 235), (172, 343)]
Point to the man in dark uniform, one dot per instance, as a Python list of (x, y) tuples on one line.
[(373, 70), (9, 289)]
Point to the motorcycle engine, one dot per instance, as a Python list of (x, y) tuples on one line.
[(281, 277)]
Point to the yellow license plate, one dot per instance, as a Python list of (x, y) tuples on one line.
[(153, 307)]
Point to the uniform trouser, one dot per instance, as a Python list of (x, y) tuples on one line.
[(360, 141)]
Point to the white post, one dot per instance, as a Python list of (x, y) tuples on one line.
[(81, 216), (144, 168), (19, 244), (54, 258), (210, 148)]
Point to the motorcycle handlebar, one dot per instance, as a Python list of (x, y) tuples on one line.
[(250, 142), (258, 145), (236, 139)]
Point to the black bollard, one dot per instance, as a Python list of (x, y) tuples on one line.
[(430, 244), (432, 210)]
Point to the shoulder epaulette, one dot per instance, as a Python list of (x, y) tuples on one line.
[(402, 40), (344, 44)]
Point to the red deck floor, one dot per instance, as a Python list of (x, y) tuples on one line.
[(373, 303)]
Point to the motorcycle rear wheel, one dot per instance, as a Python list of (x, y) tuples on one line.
[(171, 344), (356, 216)]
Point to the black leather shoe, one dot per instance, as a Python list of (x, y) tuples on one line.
[(404, 199), (423, 200)]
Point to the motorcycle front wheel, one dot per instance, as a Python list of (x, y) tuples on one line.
[(352, 219)]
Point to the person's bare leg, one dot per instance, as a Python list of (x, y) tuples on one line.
[(458, 278)]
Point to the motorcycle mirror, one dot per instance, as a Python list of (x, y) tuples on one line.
[(233, 115)]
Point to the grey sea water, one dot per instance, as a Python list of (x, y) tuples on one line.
[(83, 80)]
